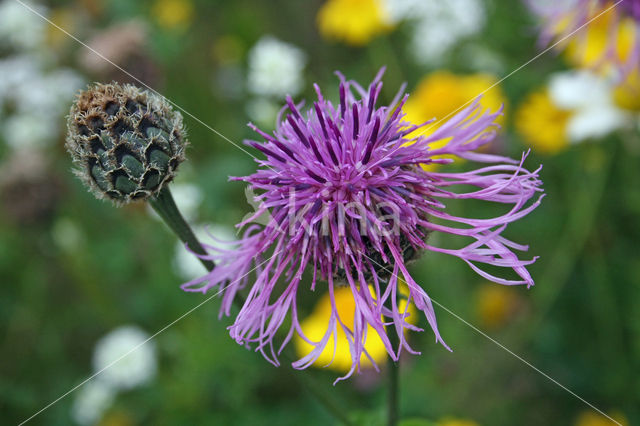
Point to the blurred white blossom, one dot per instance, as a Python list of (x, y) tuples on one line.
[(66, 234), (263, 112), (437, 25), (27, 130), (91, 401), (20, 28), (188, 198), (186, 265), (34, 100), (590, 97), (16, 71), (124, 358), (49, 93), (275, 68)]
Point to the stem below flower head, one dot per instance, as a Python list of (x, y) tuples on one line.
[(166, 208), (394, 370)]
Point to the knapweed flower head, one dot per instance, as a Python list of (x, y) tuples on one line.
[(126, 142), (349, 203), (601, 34)]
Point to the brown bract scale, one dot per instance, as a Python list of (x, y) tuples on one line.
[(126, 142)]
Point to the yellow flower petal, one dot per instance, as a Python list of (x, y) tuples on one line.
[(588, 47), (495, 304), (441, 94), (448, 421), (592, 418), (315, 326), (627, 94), (542, 125), (173, 14), (355, 22)]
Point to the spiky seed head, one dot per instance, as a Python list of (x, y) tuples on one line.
[(127, 143)]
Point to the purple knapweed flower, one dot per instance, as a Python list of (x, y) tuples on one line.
[(349, 203), (601, 34)]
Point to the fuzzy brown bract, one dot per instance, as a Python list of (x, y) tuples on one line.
[(126, 142)]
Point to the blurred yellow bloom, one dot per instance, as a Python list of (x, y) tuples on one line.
[(173, 14), (227, 49), (542, 124), (592, 418), (626, 95), (117, 418), (355, 22), (449, 421), (63, 18), (590, 45), (315, 326), (441, 94), (495, 304)]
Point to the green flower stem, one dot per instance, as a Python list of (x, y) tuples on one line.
[(166, 208), (394, 376), (314, 388), (393, 373)]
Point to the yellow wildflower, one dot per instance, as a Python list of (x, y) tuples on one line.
[(315, 326), (589, 47), (495, 304), (227, 50), (626, 95), (117, 418), (355, 22), (63, 18), (593, 418), (542, 124), (449, 421), (441, 94), (173, 14)]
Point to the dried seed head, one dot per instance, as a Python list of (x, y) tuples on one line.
[(126, 141)]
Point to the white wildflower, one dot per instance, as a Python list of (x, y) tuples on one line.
[(91, 401), (66, 234), (26, 130), (590, 98), (263, 112), (275, 68), (188, 198), (37, 100), (186, 265), (20, 28), (437, 26), (124, 358)]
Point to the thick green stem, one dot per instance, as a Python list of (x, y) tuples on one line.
[(166, 208)]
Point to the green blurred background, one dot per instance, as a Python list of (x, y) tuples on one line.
[(74, 268)]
